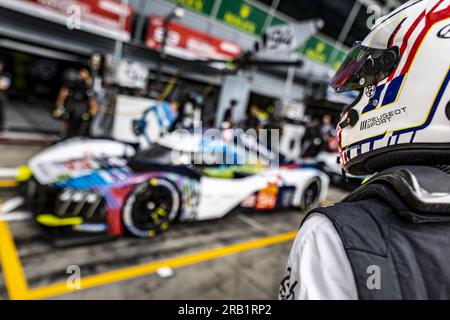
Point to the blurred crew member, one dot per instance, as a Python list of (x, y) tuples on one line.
[(155, 122), (96, 72), (252, 121), (5, 83), (228, 115), (105, 92), (312, 139), (185, 112), (76, 104), (327, 130), (390, 238)]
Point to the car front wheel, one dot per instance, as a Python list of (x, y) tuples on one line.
[(150, 207)]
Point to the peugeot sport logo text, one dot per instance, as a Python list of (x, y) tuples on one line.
[(445, 32), (381, 119)]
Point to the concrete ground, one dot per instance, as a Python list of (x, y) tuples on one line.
[(239, 257), (16, 155)]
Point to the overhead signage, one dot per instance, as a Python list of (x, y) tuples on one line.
[(131, 74), (322, 51), (103, 17), (288, 37), (202, 6), (242, 15), (187, 43)]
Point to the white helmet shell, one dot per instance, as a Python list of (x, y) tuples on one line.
[(402, 116)]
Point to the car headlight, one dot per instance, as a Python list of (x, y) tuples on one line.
[(66, 195), (91, 198)]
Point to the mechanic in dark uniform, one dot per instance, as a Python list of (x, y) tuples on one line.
[(390, 239), (184, 110), (253, 121), (228, 121), (76, 104), (5, 83)]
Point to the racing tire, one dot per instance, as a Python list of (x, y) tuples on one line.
[(311, 195), (150, 207)]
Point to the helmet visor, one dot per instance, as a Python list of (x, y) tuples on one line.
[(364, 67)]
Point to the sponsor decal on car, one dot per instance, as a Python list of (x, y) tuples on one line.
[(267, 198), (250, 202)]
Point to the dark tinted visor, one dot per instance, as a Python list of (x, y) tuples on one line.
[(364, 67)]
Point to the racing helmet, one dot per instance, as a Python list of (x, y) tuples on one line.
[(402, 73)]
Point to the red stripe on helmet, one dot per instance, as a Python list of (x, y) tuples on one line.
[(395, 33), (406, 39), (430, 20)]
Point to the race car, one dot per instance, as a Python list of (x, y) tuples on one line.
[(328, 163), (327, 160), (104, 186)]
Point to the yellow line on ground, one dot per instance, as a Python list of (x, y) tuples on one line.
[(146, 269), (8, 184), (12, 268), (17, 286)]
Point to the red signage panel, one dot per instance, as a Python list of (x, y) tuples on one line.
[(103, 17), (187, 43)]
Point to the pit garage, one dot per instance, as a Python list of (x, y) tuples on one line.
[(207, 132)]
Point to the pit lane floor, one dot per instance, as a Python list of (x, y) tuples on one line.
[(239, 257)]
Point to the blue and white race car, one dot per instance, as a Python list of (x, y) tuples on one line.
[(104, 186)]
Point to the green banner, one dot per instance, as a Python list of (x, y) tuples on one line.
[(322, 51), (277, 21), (202, 6), (242, 15), (237, 13)]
